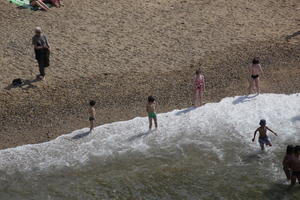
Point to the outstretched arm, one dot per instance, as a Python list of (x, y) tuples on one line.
[(250, 71), (254, 135), (271, 131), (194, 84), (261, 71)]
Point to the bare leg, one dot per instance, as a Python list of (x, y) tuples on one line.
[(287, 173), (42, 5), (200, 98), (150, 123), (91, 125), (250, 85), (262, 146), (293, 180), (298, 177), (155, 122), (257, 85), (196, 98)]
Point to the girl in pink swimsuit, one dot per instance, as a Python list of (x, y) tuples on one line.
[(199, 87)]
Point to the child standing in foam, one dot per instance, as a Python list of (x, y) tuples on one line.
[(92, 113), (199, 87), (263, 138), (151, 108), (255, 71)]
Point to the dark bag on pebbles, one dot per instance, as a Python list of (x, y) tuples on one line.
[(17, 82)]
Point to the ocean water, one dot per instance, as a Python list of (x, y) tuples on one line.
[(197, 153)]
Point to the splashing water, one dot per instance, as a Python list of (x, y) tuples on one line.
[(197, 153)]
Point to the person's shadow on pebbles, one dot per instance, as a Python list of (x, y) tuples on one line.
[(181, 112), (81, 135), (243, 99), (289, 37), (23, 84)]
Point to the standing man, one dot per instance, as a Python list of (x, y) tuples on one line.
[(42, 51)]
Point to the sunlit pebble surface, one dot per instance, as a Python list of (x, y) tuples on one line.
[(210, 127)]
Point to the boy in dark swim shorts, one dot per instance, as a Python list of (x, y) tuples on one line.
[(92, 113), (255, 71), (263, 138), (151, 107)]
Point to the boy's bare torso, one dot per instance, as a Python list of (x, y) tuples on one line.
[(92, 112), (255, 69), (150, 107), (262, 132)]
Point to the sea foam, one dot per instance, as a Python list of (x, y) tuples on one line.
[(213, 128)]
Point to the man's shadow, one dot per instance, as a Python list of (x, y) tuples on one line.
[(296, 118), (244, 99), (26, 85), (81, 135), (287, 38), (185, 110)]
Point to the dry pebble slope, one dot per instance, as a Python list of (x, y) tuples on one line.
[(118, 52), (118, 36)]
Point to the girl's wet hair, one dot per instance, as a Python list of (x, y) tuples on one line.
[(290, 149), (151, 99), (198, 71), (92, 103), (262, 122), (255, 61)]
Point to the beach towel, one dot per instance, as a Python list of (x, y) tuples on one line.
[(26, 4), (20, 2)]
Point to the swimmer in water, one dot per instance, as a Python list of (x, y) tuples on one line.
[(263, 138), (255, 71)]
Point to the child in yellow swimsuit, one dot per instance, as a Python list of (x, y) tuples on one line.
[(151, 107)]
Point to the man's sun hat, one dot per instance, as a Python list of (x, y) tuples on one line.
[(38, 29)]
